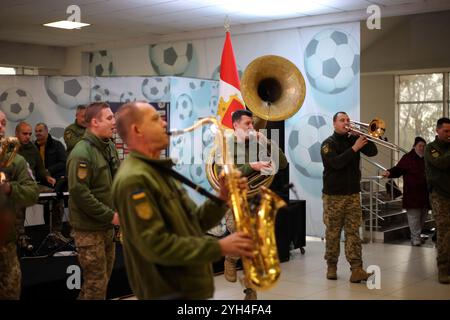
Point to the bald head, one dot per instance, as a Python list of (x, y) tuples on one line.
[(24, 132), (129, 114)]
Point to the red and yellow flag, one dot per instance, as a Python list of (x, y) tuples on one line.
[(230, 98)]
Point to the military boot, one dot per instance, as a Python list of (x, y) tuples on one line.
[(332, 272), (358, 275), (230, 270), (250, 294), (443, 274)]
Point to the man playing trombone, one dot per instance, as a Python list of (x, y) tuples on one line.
[(341, 200)]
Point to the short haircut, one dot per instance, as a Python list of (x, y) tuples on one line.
[(93, 110), (81, 107), (418, 140), (337, 114), (441, 122), (22, 124), (128, 114), (238, 114), (41, 124)]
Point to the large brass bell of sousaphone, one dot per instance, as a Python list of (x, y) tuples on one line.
[(273, 88)]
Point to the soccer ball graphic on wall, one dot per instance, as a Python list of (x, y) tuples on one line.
[(171, 58), (332, 61), (304, 144), (101, 63), (184, 108), (17, 104), (155, 89), (68, 92)]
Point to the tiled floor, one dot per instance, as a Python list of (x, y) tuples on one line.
[(406, 273)]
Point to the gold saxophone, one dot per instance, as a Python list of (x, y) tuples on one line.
[(263, 269)]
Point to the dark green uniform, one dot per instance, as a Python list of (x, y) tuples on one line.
[(341, 199), (91, 167), (72, 134), (24, 193), (167, 253), (437, 164)]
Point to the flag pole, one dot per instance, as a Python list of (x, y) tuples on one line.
[(226, 24)]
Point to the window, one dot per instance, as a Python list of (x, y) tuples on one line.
[(421, 103)]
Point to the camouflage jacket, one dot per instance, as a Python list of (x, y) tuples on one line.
[(90, 168), (73, 134), (167, 253), (437, 167)]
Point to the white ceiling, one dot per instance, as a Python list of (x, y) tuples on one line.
[(115, 21)]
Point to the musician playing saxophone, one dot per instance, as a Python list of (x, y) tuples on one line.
[(242, 121), (18, 191), (166, 251)]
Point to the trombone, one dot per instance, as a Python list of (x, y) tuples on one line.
[(373, 131)]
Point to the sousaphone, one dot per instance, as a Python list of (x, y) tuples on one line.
[(273, 89)]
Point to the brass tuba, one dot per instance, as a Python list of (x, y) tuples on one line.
[(263, 270), (274, 89)]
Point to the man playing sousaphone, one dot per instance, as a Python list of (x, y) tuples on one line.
[(17, 190), (249, 164)]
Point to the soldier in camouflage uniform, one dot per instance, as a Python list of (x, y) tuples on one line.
[(91, 167), (74, 132), (167, 253), (437, 164), (20, 190), (341, 199), (242, 121)]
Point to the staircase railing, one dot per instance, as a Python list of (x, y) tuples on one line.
[(376, 188)]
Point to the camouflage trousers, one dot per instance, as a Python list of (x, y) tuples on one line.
[(231, 227), (96, 253), (441, 213), (10, 274), (342, 211)]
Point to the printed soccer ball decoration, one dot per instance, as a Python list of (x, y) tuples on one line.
[(171, 58), (127, 96), (207, 136), (332, 61), (197, 173), (213, 102), (56, 131), (184, 107), (101, 64), (99, 94), (68, 92), (196, 85), (176, 149), (305, 141), (17, 104), (154, 89)]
